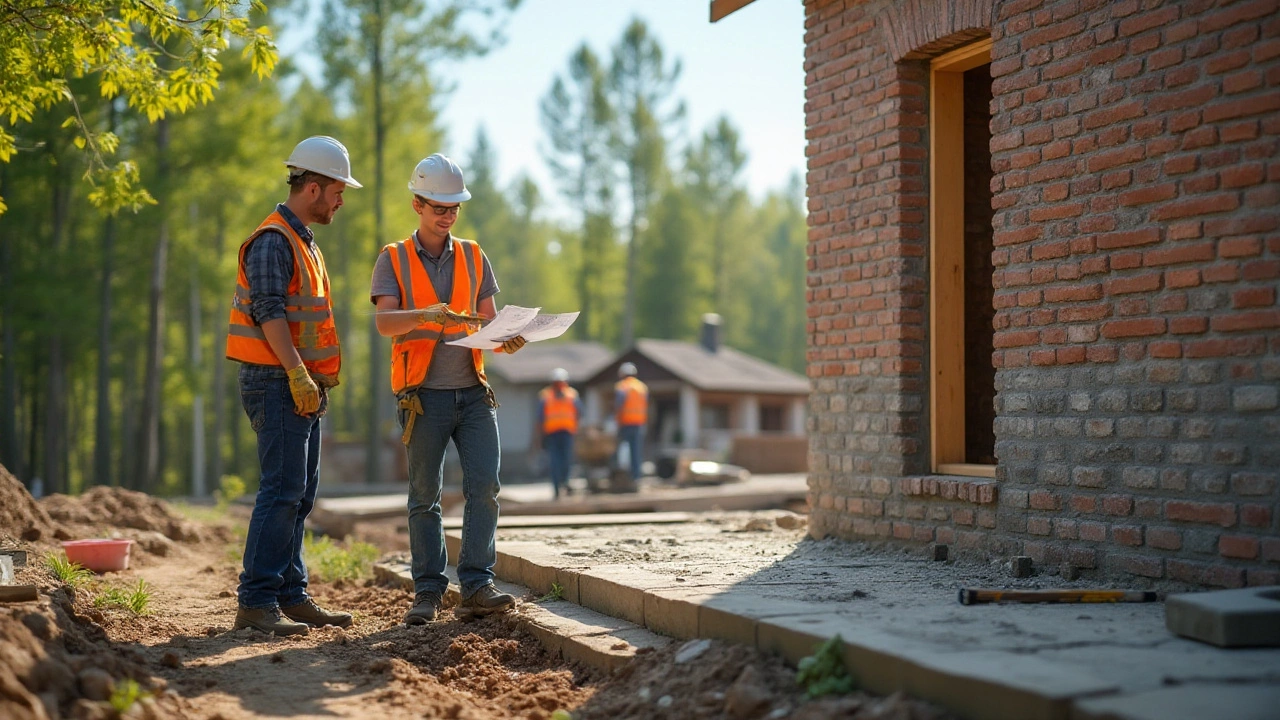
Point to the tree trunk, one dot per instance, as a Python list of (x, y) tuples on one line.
[(629, 311), (198, 487), (218, 391), (377, 402), (149, 431), (102, 430), (9, 442), (55, 418)]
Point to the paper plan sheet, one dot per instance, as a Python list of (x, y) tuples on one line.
[(514, 320)]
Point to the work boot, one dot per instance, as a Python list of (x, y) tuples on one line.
[(312, 614), (426, 605), (486, 601), (268, 620)]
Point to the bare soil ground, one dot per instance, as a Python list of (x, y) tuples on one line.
[(62, 656)]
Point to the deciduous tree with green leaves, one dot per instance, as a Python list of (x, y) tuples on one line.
[(161, 57)]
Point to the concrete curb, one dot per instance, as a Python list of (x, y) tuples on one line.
[(565, 629)]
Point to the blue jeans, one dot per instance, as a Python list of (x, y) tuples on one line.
[(464, 417), (559, 459), (633, 437), (289, 455)]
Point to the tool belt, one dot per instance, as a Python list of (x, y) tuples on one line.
[(411, 401)]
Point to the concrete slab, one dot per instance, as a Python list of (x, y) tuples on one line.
[(897, 614), (1188, 702), (1248, 617), (757, 492), (618, 590)]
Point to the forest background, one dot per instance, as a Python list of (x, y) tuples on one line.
[(114, 302)]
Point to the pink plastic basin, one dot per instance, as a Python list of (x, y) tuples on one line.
[(99, 555)]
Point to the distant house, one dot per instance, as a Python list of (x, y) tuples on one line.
[(516, 380), (709, 396)]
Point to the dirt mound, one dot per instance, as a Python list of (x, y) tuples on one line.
[(21, 516), (55, 663), (118, 507)]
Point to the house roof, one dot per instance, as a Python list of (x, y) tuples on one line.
[(534, 362), (726, 370)]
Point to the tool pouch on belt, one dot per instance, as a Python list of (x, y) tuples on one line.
[(409, 400)]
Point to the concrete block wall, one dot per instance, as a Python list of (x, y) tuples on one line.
[(1137, 257)]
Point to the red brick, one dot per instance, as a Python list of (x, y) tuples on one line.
[(1244, 547), (1223, 514), (1127, 534), (1254, 297), (1258, 516), (1164, 538), (1151, 567), (1133, 328), (1254, 320), (1134, 284)]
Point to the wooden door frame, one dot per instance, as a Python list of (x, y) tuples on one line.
[(946, 258)]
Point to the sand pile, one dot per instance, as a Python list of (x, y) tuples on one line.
[(121, 508), (21, 517)]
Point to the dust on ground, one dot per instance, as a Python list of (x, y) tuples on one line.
[(65, 655)]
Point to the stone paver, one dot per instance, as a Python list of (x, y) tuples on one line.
[(1249, 617)]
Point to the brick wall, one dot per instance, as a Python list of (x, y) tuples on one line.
[(1137, 256)]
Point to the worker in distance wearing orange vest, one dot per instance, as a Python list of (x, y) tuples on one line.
[(282, 333), (631, 410), (431, 288), (560, 410)]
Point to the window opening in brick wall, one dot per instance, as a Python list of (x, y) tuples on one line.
[(773, 418), (961, 311)]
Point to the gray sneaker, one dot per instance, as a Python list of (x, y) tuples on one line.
[(268, 620), (486, 601), (426, 605)]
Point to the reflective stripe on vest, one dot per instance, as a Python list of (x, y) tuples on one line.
[(308, 310), (411, 352), (635, 402), (559, 410)]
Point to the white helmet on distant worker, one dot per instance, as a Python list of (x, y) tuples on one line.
[(439, 178), (560, 375), (626, 370), (323, 155)]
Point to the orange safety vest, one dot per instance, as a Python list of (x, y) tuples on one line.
[(307, 309), (559, 410), (411, 353), (635, 403)]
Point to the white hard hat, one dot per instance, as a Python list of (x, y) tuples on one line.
[(439, 178), (559, 375), (323, 155), (626, 369)]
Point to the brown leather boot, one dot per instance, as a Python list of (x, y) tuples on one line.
[(486, 601), (268, 620), (312, 614), (426, 605)]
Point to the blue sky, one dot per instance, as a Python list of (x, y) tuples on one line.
[(748, 66)]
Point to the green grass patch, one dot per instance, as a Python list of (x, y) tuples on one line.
[(135, 599), (329, 561), (127, 693), (824, 672), (557, 593), (65, 571)]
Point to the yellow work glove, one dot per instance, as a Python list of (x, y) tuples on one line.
[(512, 345), (440, 313), (306, 394)]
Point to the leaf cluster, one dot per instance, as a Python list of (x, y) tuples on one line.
[(329, 561), (824, 672), (135, 599), (158, 57), (65, 571)]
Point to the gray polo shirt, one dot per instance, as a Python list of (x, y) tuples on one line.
[(451, 366)]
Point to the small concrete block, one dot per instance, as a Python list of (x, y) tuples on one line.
[(1248, 617), (673, 613), (1187, 702), (618, 590), (397, 574), (6, 570), (1020, 566), (940, 553), (1069, 572), (19, 556)]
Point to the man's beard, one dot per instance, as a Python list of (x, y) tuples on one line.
[(321, 212)]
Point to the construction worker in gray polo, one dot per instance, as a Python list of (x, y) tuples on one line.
[(429, 289)]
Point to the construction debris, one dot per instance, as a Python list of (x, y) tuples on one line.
[(1248, 617)]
